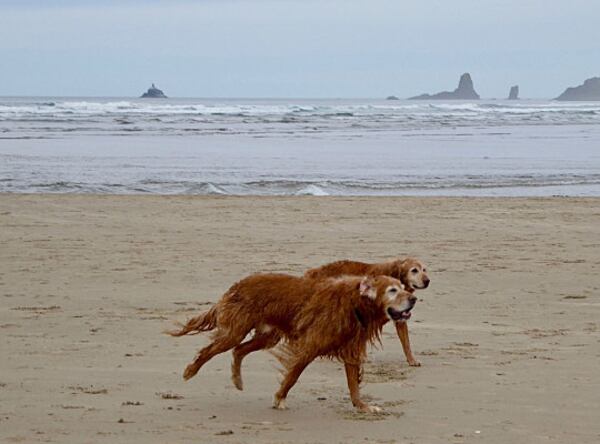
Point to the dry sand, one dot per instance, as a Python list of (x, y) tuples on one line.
[(508, 333)]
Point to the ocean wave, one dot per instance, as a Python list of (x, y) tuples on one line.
[(257, 109), (61, 186), (278, 119), (206, 189), (290, 187), (311, 190)]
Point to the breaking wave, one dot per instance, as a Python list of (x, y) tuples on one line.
[(416, 186), (211, 117)]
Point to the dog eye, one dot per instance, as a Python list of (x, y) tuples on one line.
[(414, 271), (393, 290)]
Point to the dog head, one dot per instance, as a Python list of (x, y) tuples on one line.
[(412, 272), (389, 296)]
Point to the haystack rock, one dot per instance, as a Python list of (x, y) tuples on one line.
[(590, 90), (392, 98), (465, 91), (153, 93), (514, 93)]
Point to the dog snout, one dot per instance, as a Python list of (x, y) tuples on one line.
[(425, 282), (412, 299)]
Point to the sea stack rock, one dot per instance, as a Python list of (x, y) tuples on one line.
[(153, 93), (392, 98), (590, 90), (465, 91), (514, 93)]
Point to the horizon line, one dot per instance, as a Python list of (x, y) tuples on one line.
[(13, 96)]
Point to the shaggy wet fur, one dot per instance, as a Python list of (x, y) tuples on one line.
[(266, 303), (341, 318), (410, 271)]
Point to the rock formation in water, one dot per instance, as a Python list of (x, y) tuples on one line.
[(514, 93), (465, 91), (392, 98), (153, 93), (590, 90)]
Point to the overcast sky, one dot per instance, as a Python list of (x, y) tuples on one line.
[(296, 48)]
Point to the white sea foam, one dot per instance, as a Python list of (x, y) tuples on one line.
[(213, 189), (312, 190), (86, 108)]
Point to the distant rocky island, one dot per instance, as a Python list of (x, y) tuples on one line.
[(153, 93), (465, 91), (514, 93), (392, 98), (590, 90)]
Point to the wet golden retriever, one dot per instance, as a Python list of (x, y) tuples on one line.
[(410, 271), (339, 320), (334, 317)]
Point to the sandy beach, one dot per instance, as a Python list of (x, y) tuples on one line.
[(508, 332)]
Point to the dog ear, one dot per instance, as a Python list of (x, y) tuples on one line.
[(367, 288), (399, 269)]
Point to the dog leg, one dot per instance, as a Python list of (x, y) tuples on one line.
[(353, 377), (288, 382), (259, 341), (221, 344), (402, 330)]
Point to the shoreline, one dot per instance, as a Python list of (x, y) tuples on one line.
[(283, 197)]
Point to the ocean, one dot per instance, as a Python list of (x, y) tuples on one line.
[(299, 147)]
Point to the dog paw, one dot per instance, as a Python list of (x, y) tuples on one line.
[(371, 409), (190, 371), (237, 382), (414, 363), (279, 404)]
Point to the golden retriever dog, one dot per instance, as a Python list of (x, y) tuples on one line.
[(266, 303), (334, 317), (410, 271), (338, 321)]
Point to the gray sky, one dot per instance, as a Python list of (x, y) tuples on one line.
[(296, 48)]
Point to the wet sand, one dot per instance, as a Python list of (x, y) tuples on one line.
[(508, 333)]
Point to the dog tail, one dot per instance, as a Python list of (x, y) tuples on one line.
[(203, 322)]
